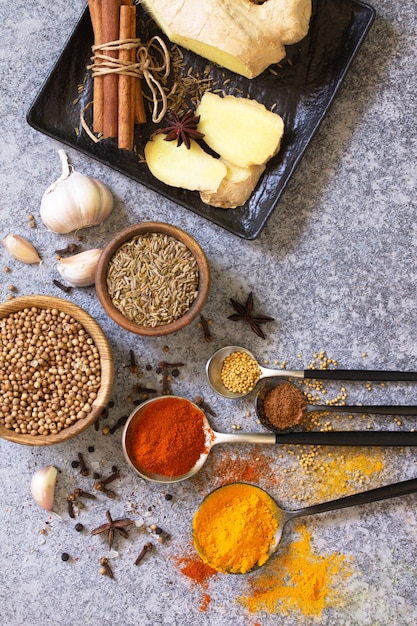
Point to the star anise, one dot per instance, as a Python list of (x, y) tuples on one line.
[(182, 128), (244, 312), (113, 526)]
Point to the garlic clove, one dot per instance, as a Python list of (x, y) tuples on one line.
[(74, 201), (79, 269), (21, 249), (43, 486)]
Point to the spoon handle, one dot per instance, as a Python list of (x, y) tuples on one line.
[(388, 409), (373, 495), (350, 438), (360, 375)]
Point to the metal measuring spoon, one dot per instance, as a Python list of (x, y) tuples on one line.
[(267, 386), (332, 438), (364, 497), (215, 363)]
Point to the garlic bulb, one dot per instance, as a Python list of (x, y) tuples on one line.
[(43, 486), (79, 270), (74, 201), (21, 249)]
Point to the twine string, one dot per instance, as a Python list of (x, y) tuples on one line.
[(146, 67)]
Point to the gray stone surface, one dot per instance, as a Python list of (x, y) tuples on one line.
[(335, 266)]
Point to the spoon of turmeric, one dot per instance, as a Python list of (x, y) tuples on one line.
[(239, 510), (152, 445), (233, 372)]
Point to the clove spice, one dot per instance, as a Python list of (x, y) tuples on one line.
[(70, 249), (205, 325), (132, 365), (146, 548), (64, 288), (204, 406), (105, 568), (120, 422), (84, 471), (101, 485)]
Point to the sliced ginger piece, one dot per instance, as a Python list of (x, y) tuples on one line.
[(235, 188), (243, 36), (178, 166), (241, 130)]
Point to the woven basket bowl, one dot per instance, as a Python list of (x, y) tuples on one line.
[(141, 229), (106, 366)]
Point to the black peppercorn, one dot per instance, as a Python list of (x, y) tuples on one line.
[(74, 464), (65, 556), (168, 496), (79, 527), (90, 448), (158, 531), (114, 468)]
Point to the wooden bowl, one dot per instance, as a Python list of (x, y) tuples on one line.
[(106, 367), (141, 229)]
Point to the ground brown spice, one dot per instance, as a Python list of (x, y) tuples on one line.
[(284, 406)]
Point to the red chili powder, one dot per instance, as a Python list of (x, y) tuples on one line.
[(167, 437), (200, 573)]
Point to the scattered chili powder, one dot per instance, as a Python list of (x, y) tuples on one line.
[(193, 567), (167, 437), (252, 465), (200, 573)]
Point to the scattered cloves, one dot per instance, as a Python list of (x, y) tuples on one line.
[(146, 548), (64, 288), (120, 422), (70, 249), (84, 471), (101, 485), (132, 365), (164, 367), (80, 493), (105, 568), (204, 406), (70, 503), (205, 325)]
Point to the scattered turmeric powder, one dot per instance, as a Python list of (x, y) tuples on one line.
[(234, 530), (298, 580)]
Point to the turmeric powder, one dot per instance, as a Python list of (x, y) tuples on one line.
[(235, 528), (297, 580)]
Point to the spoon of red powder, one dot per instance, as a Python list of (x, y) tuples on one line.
[(168, 439)]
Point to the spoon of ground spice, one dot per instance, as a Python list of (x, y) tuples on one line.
[(238, 526), (281, 405), (168, 439), (233, 372)]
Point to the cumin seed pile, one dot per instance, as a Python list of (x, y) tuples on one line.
[(153, 279)]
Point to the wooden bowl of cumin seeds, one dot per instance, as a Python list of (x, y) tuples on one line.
[(153, 279)]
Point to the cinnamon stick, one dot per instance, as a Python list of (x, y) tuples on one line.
[(126, 84), (96, 21), (110, 32)]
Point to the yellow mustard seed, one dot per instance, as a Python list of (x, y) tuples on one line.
[(239, 372)]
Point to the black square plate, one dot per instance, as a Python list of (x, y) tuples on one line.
[(301, 89)]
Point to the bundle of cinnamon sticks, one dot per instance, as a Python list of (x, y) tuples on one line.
[(117, 94)]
